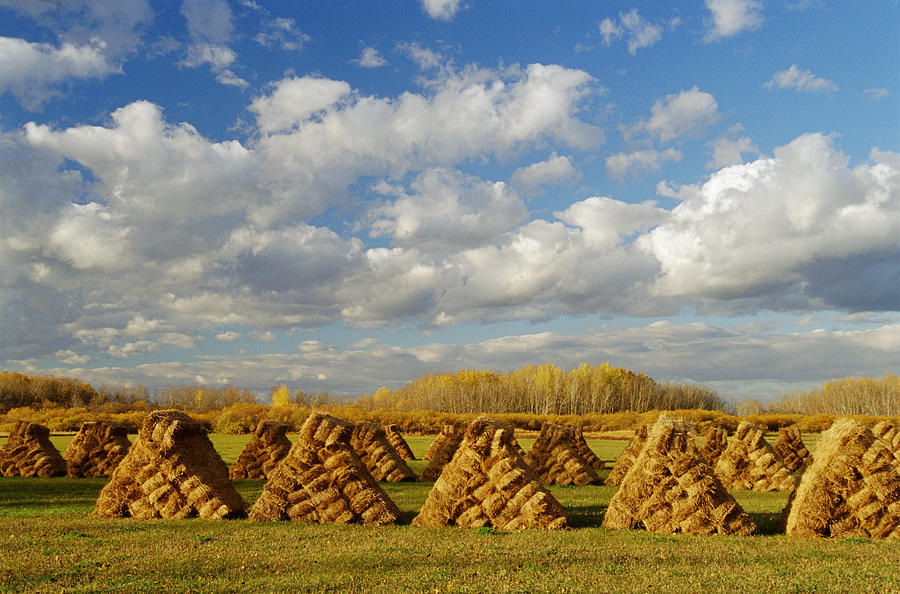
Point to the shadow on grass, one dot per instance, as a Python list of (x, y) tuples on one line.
[(767, 522), (25, 495), (585, 516)]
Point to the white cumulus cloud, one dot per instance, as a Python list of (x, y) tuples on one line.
[(640, 32), (730, 17), (556, 170), (442, 10), (687, 113), (800, 80)]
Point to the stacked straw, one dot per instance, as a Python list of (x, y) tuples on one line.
[(97, 449), (889, 432), (715, 442), (487, 483), (749, 462), (395, 438), (28, 452), (852, 488), (629, 455), (383, 462), (442, 449), (671, 488), (789, 445), (323, 480), (584, 450), (172, 471), (263, 452), (556, 461)]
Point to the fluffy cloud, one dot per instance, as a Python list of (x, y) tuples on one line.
[(800, 80), (370, 58), (688, 113), (211, 24), (556, 170), (768, 228), (442, 10), (282, 33), (295, 100), (728, 151), (621, 165), (639, 31), (32, 71), (730, 17)]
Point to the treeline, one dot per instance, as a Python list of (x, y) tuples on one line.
[(543, 390), (19, 390), (874, 396)]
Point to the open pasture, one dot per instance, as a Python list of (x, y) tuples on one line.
[(50, 542)]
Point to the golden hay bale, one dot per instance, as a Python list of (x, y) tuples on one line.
[(889, 432), (714, 443), (323, 480), (629, 455), (29, 452), (263, 452), (750, 463), (584, 450), (96, 449), (441, 450), (555, 460), (172, 471), (789, 445), (671, 488), (852, 488), (487, 483), (383, 462), (395, 438)]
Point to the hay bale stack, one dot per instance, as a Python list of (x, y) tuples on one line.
[(441, 450), (383, 462), (555, 460), (852, 488), (889, 432), (789, 445), (395, 438), (749, 462), (714, 443), (671, 488), (629, 455), (263, 452), (323, 480), (584, 450), (29, 452), (97, 449), (487, 483), (172, 471)]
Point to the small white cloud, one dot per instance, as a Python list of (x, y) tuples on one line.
[(556, 170), (229, 336), (425, 59), (728, 151), (640, 32), (687, 113), (70, 357), (621, 165), (442, 10), (800, 80), (370, 58), (730, 17), (877, 94), (282, 33)]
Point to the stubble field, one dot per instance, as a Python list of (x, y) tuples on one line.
[(50, 542)]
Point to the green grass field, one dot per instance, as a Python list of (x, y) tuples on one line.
[(50, 542)]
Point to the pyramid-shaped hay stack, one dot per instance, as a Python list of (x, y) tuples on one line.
[(441, 450), (671, 488), (263, 452), (555, 460), (889, 432), (395, 438), (789, 445), (97, 449), (323, 480), (487, 483), (172, 471), (750, 463), (29, 452), (852, 488), (584, 450), (629, 455), (383, 462), (714, 443)]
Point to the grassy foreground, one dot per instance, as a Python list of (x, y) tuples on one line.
[(49, 542)]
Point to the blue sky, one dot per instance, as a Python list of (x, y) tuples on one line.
[(344, 195)]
